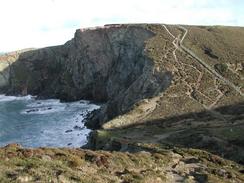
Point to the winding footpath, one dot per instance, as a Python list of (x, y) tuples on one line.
[(179, 43), (206, 66)]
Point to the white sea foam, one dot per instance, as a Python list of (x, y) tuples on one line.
[(4, 98), (45, 122), (44, 103), (54, 105), (73, 132), (44, 107), (43, 110)]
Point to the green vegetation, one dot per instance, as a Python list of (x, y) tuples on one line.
[(190, 132), (221, 68), (158, 165), (226, 42)]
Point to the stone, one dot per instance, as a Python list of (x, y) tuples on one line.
[(102, 64), (68, 131), (24, 179)]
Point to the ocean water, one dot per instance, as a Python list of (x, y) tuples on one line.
[(43, 123)]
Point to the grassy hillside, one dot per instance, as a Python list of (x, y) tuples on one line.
[(222, 48), (151, 165), (189, 131)]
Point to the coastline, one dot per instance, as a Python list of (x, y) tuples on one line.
[(36, 111)]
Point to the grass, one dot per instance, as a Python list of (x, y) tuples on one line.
[(225, 42), (174, 139), (76, 165)]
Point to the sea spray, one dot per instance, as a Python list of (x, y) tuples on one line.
[(43, 123)]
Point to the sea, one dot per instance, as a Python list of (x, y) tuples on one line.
[(43, 123)]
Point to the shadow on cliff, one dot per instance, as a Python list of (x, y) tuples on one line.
[(102, 65), (39, 72), (222, 136), (57, 72)]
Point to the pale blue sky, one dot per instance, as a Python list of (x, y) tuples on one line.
[(39, 23)]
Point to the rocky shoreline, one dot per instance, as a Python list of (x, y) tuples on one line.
[(160, 90)]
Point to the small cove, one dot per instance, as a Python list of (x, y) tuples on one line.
[(43, 123)]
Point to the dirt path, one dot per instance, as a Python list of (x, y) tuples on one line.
[(205, 65), (179, 43)]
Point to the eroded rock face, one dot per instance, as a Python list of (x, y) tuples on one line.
[(4, 73), (104, 64), (6, 60)]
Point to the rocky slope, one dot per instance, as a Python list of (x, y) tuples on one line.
[(164, 86), (151, 164), (123, 64), (105, 64)]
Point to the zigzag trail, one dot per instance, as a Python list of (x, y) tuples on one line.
[(177, 42), (205, 65)]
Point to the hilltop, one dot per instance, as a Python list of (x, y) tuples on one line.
[(167, 89)]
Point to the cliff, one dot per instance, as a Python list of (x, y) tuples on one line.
[(164, 85), (104, 64), (121, 65)]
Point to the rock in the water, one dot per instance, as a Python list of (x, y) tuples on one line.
[(68, 131)]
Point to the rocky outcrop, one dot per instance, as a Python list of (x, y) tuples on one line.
[(6, 60), (107, 64), (4, 68), (160, 90), (130, 68)]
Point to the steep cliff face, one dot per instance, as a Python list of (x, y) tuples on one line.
[(163, 87), (107, 64), (110, 64), (104, 63), (4, 73), (142, 73), (6, 60)]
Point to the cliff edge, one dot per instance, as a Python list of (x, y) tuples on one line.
[(161, 87), (140, 72)]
